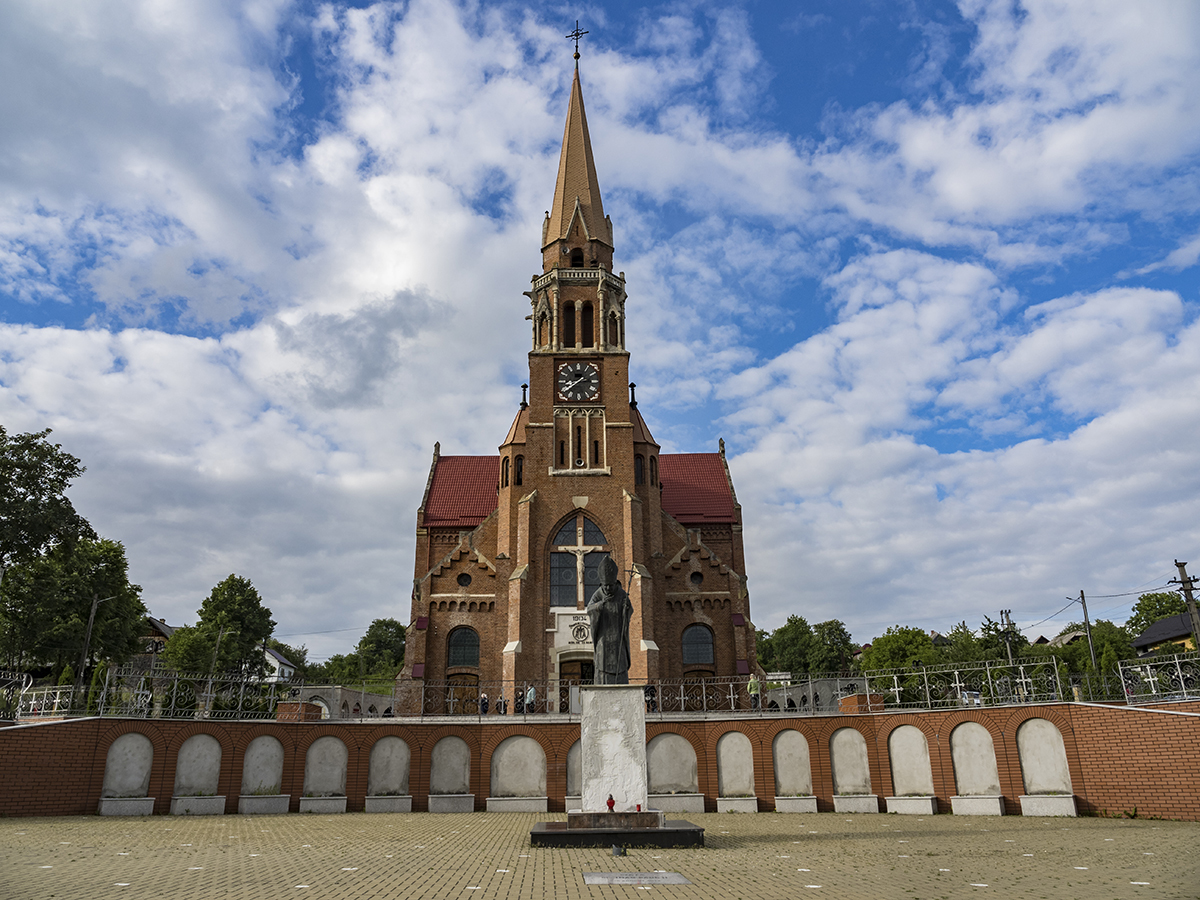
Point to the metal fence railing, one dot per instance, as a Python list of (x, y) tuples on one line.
[(163, 693), (1161, 679)]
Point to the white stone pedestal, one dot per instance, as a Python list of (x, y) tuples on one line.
[(126, 806), (855, 803), (451, 803), (517, 804), (977, 806), (1048, 805), (796, 804), (613, 745), (322, 804), (687, 803), (263, 804), (198, 806), (737, 804), (912, 806), (389, 803)]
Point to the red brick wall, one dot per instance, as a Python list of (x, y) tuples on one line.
[(1120, 757)]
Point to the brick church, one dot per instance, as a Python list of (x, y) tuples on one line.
[(508, 546)]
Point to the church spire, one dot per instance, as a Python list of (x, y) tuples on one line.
[(575, 225)]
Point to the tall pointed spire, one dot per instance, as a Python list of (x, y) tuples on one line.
[(577, 220)]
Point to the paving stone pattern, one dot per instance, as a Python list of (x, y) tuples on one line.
[(477, 856)]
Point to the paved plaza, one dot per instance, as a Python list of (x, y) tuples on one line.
[(487, 855)]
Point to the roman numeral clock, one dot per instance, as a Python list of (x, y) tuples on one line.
[(577, 382)]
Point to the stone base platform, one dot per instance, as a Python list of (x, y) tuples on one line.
[(855, 803), (796, 804), (912, 806), (977, 806), (198, 806), (1048, 805), (674, 833), (126, 806)]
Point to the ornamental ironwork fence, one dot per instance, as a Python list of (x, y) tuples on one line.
[(165, 694), (160, 694), (1161, 679)]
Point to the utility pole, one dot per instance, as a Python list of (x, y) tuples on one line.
[(1087, 626), (1186, 584), (1006, 618)]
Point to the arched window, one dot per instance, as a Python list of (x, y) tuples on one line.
[(613, 334), (543, 331), (697, 646), (504, 472), (578, 549), (587, 328), (519, 470), (639, 469), (568, 324), (462, 648), (654, 470), (577, 258)]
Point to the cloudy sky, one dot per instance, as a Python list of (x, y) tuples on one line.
[(929, 269)]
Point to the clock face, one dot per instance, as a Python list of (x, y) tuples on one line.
[(578, 381)]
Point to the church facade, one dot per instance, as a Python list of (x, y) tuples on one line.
[(509, 546)]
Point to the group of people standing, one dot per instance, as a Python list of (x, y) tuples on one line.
[(525, 702)]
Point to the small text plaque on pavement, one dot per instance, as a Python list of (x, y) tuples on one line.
[(634, 878)]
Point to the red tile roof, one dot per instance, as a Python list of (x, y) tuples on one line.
[(695, 489), (463, 491)]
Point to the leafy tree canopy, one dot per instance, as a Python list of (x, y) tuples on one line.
[(233, 628), (787, 648), (46, 601), (35, 513), (1152, 607), (900, 647), (832, 649)]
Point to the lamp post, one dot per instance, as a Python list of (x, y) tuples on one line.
[(87, 638)]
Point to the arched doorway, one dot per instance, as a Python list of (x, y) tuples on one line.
[(574, 671)]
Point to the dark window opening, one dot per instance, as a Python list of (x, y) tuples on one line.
[(577, 258), (697, 578), (697, 646), (543, 332), (566, 534), (462, 648), (579, 443), (519, 470), (568, 321), (612, 330), (587, 327), (595, 453), (464, 580), (592, 535), (562, 579), (562, 454), (654, 470), (591, 572), (639, 469), (504, 472)]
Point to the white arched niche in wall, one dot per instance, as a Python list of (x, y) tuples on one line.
[(976, 777), (851, 767), (912, 775), (1044, 770)]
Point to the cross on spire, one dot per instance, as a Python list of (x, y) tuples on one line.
[(575, 36)]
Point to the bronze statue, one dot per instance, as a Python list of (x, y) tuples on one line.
[(610, 611)]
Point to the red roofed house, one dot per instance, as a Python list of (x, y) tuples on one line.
[(508, 546)]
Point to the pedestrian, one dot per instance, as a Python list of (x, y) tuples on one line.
[(753, 689), (530, 699), (483, 704)]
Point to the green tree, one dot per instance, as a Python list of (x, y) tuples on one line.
[(831, 650), (900, 647), (993, 638), (788, 647), (382, 647), (35, 514), (233, 628), (1112, 642), (46, 602), (1152, 607), (964, 645)]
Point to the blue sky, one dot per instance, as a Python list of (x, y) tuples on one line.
[(930, 269)]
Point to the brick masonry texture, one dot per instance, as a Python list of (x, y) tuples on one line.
[(1120, 757)]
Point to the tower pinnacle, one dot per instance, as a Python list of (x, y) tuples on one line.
[(575, 223)]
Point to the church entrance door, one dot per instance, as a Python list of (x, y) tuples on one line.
[(571, 675)]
